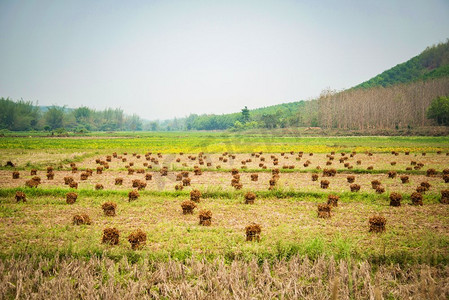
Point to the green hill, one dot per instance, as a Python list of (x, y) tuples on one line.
[(430, 64)]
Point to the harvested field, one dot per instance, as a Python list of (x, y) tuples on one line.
[(152, 222)]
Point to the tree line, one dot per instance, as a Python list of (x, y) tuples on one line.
[(409, 105), (24, 115)]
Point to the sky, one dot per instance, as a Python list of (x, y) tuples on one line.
[(165, 59)]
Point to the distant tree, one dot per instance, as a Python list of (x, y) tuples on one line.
[(54, 117), (245, 115), (439, 110)]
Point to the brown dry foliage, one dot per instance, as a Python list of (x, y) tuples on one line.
[(137, 239), (354, 187), (82, 219), (324, 184), (324, 211), (377, 224), (68, 180), (186, 182), (133, 195), (205, 217), (444, 196), (395, 199), (350, 178), (195, 195), (431, 172), (392, 174), (253, 232), (332, 200), (404, 179), (416, 198), (196, 278), (254, 177), (250, 197), (380, 189), (71, 197), (20, 196), (109, 208), (187, 207), (111, 236)]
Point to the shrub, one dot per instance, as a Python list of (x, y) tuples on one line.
[(205, 217), (332, 200), (395, 199), (187, 207), (20, 196), (118, 181), (84, 176), (82, 219), (110, 236), (249, 198), (31, 183), (133, 195), (253, 232), (99, 186), (109, 208), (324, 211), (137, 239), (71, 198), (33, 172), (15, 175), (148, 176), (370, 168), (179, 187), (195, 195), (377, 224), (314, 177), (416, 198), (99, 170), (393, 163)]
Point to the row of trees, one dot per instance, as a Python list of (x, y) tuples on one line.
[(398, 106), (24, 115)]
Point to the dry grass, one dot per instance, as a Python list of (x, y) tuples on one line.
[(298, 278)]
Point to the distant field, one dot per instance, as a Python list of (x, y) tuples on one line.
[(215, 142), (351, 259)]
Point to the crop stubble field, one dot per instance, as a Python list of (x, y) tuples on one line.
[(40, 231)]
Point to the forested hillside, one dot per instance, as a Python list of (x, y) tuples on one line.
[(430, 64)]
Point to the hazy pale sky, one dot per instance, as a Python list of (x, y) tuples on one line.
[(164, 59)]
